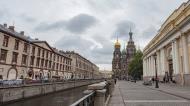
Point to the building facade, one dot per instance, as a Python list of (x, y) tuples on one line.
[(23, 57), (169, 51), (122, 59), (81, 67)]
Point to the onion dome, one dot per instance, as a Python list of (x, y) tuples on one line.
[(117, 44)]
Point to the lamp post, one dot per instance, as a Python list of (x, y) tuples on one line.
[(155, 57)]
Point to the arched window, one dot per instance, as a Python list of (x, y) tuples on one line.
[(12, 74)]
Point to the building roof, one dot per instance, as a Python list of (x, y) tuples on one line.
[(6, 30), (174, 20)]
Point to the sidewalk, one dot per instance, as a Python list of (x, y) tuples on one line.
[(116, 98), (173, 89), (136, 94)]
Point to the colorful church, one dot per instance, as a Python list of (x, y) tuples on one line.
[(121, 59)]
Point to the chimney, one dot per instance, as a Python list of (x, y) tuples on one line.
[(11, 28), (22, 33), (5, 25)]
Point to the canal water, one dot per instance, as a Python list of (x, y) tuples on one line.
[(63, 98)]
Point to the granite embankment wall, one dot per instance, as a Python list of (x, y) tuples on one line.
[(8, 94)]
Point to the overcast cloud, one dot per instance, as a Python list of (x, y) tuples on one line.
[(89, 27)]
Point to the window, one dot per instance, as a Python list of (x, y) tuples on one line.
[(49, 64), (43, 52), (32, 60), (25, 47), (50, 56), (39, 51), (3, 55), (53, 66), (5, 41), (47, 53), (1, 77), (24, 59), (63, 67), (33, 50), (42, 62), (54, 57), (16, 44), (60, 67), (61, 59), (46, 63), (57, 58), (37, 62), (57, 66), (15, 57)]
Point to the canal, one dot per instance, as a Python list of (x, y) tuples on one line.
[(62, 98)]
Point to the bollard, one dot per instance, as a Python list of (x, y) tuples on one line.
[(100, 93), (110, 87), (100, 97)]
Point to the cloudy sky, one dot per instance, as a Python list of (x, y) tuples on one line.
[(88, 27)]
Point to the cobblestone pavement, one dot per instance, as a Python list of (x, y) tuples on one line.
[(136, 94)]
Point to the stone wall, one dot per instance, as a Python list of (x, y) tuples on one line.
[(17, 93)]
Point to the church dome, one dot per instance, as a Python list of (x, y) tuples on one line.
[(117, 44)]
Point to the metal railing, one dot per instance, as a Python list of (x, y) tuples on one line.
[(87, 100), (20, 83)]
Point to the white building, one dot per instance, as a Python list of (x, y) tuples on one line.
[(172, 48)]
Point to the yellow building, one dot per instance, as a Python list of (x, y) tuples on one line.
[(172, 48), (23, 57)]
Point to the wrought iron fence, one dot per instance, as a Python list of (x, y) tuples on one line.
[(87, 100)]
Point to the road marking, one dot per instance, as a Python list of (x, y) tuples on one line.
[(153, 101)]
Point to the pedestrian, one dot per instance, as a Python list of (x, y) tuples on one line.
[(153, 80), (115, 80)]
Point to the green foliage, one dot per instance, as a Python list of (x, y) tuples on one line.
[(136, 65)]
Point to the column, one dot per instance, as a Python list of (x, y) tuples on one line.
[(147, 70), (150, 69), (176, 46), (144, 68), (158, 63), (153, 66), (185, 54), (147, 67), (163, 61), (173, 57)]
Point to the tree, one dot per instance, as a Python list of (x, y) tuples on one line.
[(136, 65)]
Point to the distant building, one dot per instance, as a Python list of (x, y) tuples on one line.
[(106, 73), (81, 67), (170, 49), (122, 59)]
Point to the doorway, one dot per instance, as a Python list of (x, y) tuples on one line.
[(170, 63)]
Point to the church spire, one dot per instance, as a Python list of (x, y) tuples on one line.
[(131, 34)]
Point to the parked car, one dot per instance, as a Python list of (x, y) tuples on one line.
[(147, 83)]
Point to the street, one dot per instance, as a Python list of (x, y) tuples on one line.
[(136, 94)]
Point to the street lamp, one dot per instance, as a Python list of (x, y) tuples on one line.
[(155, 57)]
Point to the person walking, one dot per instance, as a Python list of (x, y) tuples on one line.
[(115, 80)]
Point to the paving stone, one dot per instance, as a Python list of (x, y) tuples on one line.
[(136, 94)]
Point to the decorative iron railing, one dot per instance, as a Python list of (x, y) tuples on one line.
[(87, 100)]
